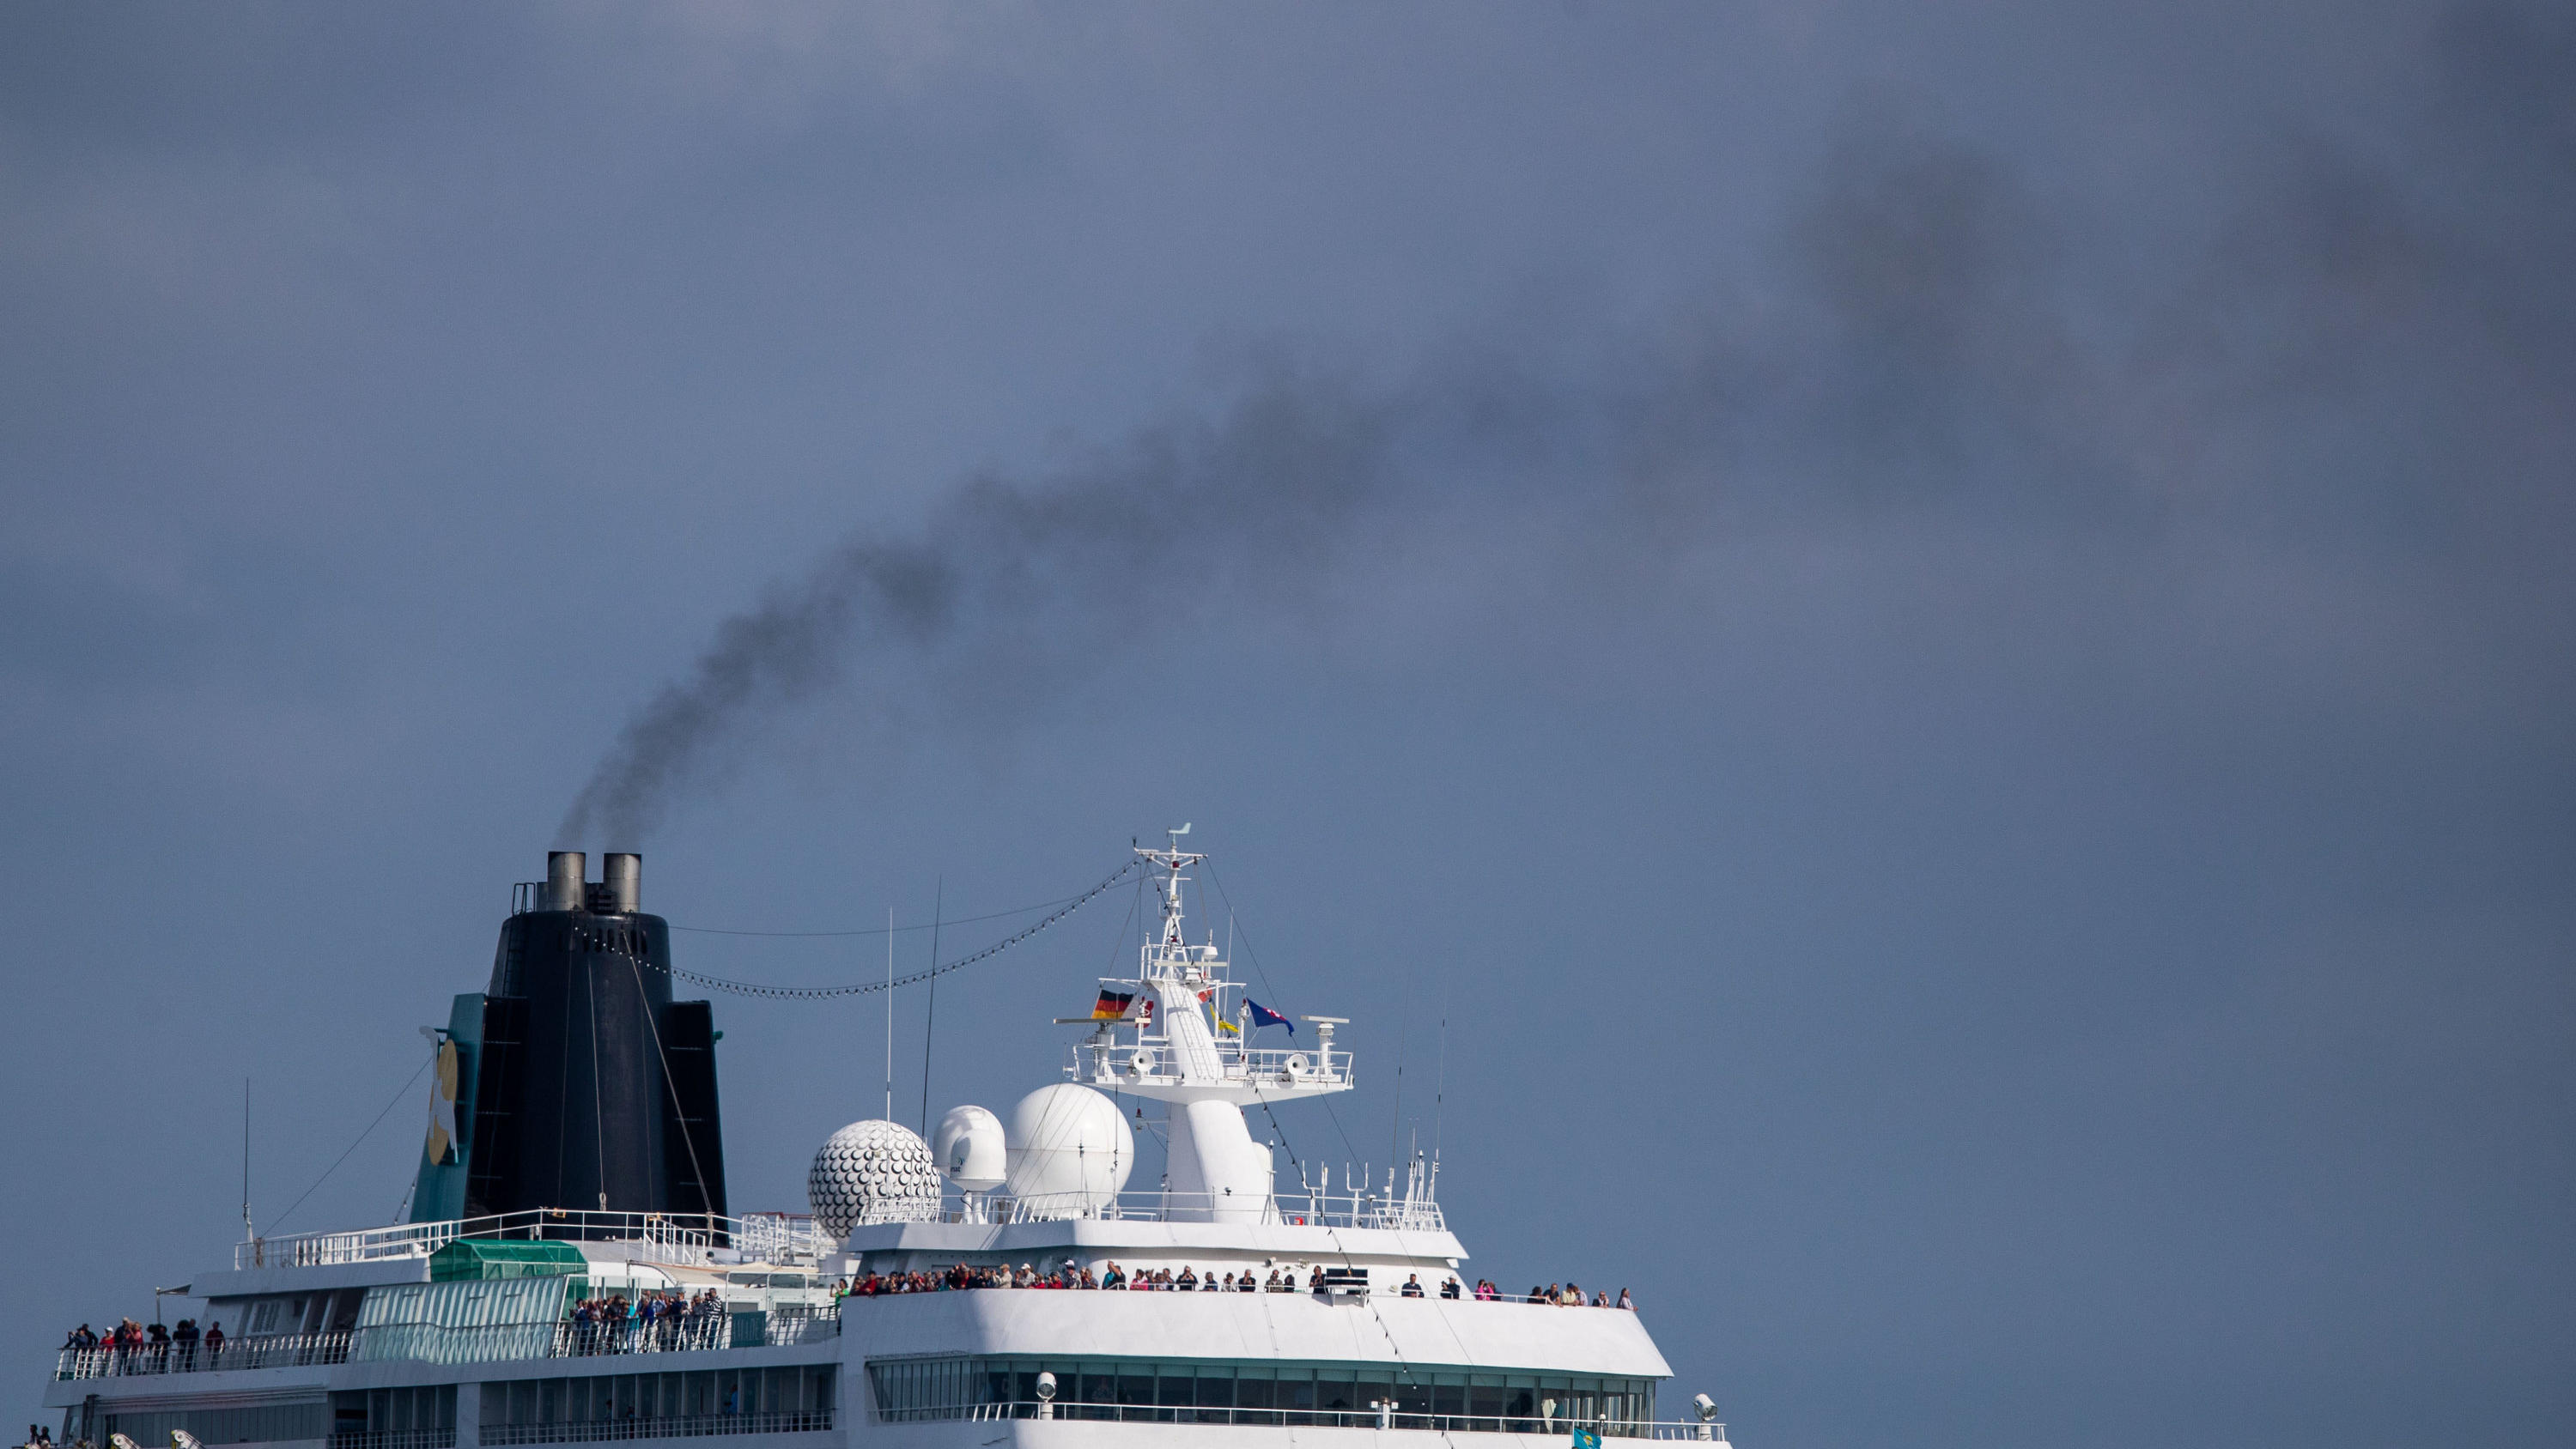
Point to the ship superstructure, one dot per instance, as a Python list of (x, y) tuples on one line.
[(1000, 1283)]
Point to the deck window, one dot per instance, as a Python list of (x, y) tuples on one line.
[(1268, 1392), (790, 1399)]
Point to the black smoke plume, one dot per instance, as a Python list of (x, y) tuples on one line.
[(2371, 354)]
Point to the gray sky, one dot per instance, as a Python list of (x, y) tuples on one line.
[(1941, 637)]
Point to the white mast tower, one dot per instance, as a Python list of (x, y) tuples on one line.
[(1185, 1050)]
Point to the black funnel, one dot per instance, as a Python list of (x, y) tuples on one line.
[(594, 1091)]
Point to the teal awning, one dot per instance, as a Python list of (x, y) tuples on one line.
[(488, 1258)]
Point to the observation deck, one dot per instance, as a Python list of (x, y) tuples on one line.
[(1250, 1075)]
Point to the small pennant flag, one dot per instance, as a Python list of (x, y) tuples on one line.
[(1112, 1004), (1228, 1028), (1263, 1016)]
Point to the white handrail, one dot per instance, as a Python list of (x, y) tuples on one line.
[(1292, 1209), (1375, 1417), (275, 1350), (690, 1239)]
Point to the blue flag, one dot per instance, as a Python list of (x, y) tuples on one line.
[(1586, 1438), (1263, 1016)]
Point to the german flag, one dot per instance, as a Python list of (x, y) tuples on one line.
[(1112, 1005)]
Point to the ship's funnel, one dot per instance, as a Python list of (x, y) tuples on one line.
[(580, 1083)]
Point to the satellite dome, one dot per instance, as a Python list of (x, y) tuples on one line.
[(970, 1147), (1069, 1150), (872, 1172)]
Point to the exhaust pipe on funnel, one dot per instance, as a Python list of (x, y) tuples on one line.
[(565, 870), (623, 873)]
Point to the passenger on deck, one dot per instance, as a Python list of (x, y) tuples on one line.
[(1626, 1302), (1412, 1285), (1188, 1282), (1449, 1287), (1114, 1278), (1245, 1283)]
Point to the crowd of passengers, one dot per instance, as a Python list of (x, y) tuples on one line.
[(1188, 1280), (130, 1339), (666, 1316)]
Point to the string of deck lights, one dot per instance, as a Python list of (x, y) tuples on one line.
[(610, 943)]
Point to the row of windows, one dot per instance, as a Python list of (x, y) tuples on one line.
[(378, 1411), (1257, 1393), (793, 1389), (216, 1426), (285, 1313)]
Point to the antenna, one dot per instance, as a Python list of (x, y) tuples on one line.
[(889, 1112), (1440, 1084), (938, 904), (1395, 1129), (247, 1234)]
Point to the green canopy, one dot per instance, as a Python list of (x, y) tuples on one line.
[(505, 1258)]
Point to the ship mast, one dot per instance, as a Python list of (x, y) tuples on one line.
[(1166, 959)]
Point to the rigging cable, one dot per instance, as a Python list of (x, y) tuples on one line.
[(1070, 905), (1272, 987), (877, 930), (679, 1113), (362, 1137), (1403, 1367)]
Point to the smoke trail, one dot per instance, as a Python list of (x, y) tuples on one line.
[(1263, 494), (2355, 353)]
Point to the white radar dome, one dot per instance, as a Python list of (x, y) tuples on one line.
[(872, 1172), (1070, 1151), (970, 1147)]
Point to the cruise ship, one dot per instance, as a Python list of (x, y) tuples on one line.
[(571, 1274)]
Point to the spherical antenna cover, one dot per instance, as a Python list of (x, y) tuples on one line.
[(872, 1172), (971, 1148), (1070, 1151)]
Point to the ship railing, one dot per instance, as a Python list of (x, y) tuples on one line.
[(692, 1333), (781, 1327), (1292, 1209), (395, 1439), (688, 1239), (600, 1431), (1278, 1069), (1383, 1416), (280, 1350)]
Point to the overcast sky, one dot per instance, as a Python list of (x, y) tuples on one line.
[(1940, 636)]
